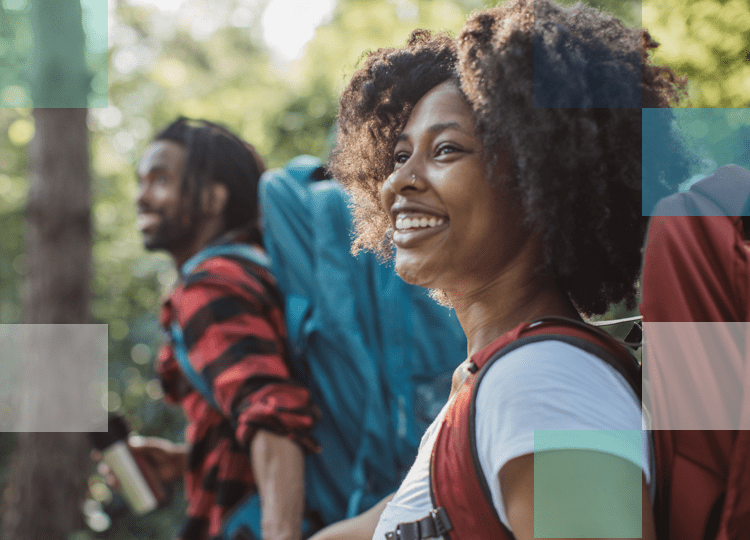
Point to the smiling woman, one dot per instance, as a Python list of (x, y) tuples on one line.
[(505, 168)]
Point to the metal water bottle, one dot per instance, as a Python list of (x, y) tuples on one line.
[(140, 488)]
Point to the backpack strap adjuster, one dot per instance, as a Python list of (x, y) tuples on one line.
[(434, 525)]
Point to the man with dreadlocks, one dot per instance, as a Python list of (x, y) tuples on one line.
[(249, 422)]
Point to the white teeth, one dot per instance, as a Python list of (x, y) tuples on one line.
[(403, 223)]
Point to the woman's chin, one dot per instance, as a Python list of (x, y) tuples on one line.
[(415, 275)]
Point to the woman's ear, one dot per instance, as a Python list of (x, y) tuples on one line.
[(214, 199)]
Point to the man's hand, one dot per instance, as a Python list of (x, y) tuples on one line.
[(166, 461)]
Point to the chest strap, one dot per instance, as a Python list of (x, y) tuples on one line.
[(434, 525)]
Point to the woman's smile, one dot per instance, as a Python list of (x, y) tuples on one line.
[(411, 231)]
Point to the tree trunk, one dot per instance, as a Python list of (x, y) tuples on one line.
[(47, 485), (48, 480)]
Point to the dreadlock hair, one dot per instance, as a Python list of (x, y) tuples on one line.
[(216, 155), (538, 81)]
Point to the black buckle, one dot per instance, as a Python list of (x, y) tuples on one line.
[(434, 525), (442, 523)]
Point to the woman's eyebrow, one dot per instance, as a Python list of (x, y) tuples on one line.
[(435, 129)]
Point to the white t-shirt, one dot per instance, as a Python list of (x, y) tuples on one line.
[(544, 385)]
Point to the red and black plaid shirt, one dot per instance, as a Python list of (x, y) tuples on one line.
[(231, 315)]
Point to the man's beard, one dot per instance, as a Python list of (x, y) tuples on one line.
[(170, 235)]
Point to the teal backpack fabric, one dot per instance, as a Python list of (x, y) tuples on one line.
[(377, 354)]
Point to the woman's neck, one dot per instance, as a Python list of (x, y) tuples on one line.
[(500, 305)]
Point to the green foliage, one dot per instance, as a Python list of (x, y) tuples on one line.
[(707, 40), (628, 11)]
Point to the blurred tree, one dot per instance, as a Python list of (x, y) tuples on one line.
[(14, 47), (48, 484)]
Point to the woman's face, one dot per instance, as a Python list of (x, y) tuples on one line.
[(453, 229)]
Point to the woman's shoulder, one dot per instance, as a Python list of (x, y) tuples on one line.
[(544, 371)]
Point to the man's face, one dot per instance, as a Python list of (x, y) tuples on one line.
[(163, 215)]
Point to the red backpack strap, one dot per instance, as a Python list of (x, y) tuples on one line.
[(455, 454), (735, 518)]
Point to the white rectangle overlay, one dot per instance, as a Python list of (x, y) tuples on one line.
[(53, 377)]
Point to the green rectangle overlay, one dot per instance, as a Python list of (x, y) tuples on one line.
[(54, 53), (587, 483)]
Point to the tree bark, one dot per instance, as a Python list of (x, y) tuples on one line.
[(47, 484), (48, 479)]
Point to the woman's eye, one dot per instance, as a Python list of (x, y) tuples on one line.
[(446, 149), (161, 179), (401, 157)]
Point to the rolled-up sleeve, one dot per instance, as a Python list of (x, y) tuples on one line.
[(235, 335)]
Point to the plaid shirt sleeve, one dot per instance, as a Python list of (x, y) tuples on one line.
[(233, 325)]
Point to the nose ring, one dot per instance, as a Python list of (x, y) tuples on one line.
[(413, 179)]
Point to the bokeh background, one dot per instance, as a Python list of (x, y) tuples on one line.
[(270, 70)]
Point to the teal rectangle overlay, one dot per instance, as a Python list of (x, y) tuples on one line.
[(54, 53), (96, 28), (695, 162), (587, 483)]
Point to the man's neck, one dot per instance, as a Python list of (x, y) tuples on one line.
[(205, 236)]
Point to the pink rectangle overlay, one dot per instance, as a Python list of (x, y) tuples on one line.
[(697, 375)]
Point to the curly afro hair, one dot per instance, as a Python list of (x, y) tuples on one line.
[(560, 91), (373, 110)]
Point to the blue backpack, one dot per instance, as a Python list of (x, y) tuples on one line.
[(380, 353), (376, 353)]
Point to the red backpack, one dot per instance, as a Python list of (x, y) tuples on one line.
[(463, 504), (471, 515), (694, 270)]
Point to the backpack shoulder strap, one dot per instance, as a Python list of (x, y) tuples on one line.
[(581, 335), (455, 453), (243, 251), (183, 359)]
